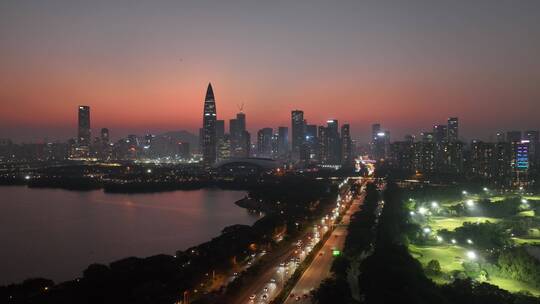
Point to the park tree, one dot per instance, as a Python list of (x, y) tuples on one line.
[(433, 267), (332, 291)]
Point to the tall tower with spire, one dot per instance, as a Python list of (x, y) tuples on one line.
[(209, 128)]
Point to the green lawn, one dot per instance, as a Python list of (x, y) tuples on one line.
[(528, 213), (530, 241), (513, 285), (450, 257), (451, 223), (450, 203), (495, 199)]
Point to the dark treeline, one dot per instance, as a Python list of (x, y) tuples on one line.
[(378, 268), (164, 278)]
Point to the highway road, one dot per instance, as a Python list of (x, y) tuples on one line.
[(254, 287), (320, 266), (270, 282)]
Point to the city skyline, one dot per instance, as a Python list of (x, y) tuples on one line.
[(406, 66), (492, 136)]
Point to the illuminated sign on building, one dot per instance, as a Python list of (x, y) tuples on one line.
[(522, 155)]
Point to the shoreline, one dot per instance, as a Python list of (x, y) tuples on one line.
[(79, 271)]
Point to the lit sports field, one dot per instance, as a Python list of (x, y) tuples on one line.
[(451, 223), (450, 257)]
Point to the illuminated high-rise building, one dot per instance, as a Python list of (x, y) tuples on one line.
[(105, 137), (453, 129), (440, 133), (264, 142), (520, 163), (240, 137), (322, 139), (346, 145), (309, 148), (380, 142), (297, 126), (220, 130), (209, 128), (83, 138), (500, 137), (283, 142), (334, 142), (513, 136)]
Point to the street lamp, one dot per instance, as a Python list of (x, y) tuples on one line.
[(471, 255)]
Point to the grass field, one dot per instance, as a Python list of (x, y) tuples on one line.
[(528, 213), (530, 241), (450, 203), (513, 285), (450, 257), (451, 223)]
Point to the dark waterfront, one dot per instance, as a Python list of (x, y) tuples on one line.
[(56, 233)]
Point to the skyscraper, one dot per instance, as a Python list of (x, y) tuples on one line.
[(533, 136), (105, 135), (297, 126), (283, 141), (500, 137), (334, 142), (513, 136), (322, 140), (309, 149), (453, 129), (240, 137), (440, 133), (380, 142), (264, 142), (375, 130), (209, 128), (220, 130), (84, 126), (346, 145)]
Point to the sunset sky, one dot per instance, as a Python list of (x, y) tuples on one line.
[(143, 66)]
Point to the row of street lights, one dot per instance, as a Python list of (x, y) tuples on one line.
[(286, 270)]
